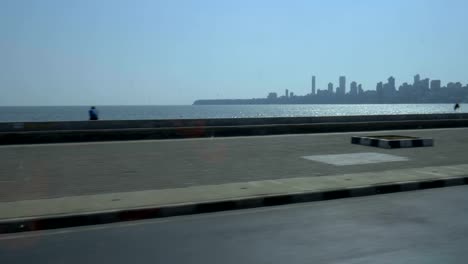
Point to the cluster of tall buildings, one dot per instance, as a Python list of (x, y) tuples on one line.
[(420, 91)]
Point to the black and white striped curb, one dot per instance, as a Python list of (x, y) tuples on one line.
[(74, 220), (392, 143)]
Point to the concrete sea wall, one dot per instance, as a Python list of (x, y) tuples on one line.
[(87, 131)]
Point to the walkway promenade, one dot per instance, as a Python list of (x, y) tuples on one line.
[(63, 179)]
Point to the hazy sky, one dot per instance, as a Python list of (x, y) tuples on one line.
[(86, 52)]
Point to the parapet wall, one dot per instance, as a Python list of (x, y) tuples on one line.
[(173, 123)]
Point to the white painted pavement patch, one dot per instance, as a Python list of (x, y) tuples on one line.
[(355, 158)]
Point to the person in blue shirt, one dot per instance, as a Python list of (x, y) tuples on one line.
[(93, 113)]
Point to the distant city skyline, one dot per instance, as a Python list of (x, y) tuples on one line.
[(162, 52), (420, 91)]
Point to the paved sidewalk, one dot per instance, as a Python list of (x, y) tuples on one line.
[(53, 186), (194, 195), (52, 171)]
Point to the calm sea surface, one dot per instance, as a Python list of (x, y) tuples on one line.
[(69, 113)]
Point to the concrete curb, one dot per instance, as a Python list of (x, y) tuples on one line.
[(106, 217), (40, 137)]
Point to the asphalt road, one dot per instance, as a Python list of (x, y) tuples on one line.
[(58, 170), (415, 227)]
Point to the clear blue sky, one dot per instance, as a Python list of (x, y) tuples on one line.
[(86, 52)]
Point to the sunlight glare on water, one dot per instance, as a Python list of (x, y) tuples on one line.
[(76, 113)]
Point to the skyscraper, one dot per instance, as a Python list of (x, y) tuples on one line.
[(330, 88), (417, 78), (435, 85), (313, 85), (286, 93), (353, 90), (342, 87), (391, 84), (425, 84), (360, 90), (272, 96), (379, 88)]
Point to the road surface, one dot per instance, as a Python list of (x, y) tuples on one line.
[(428, 226)]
